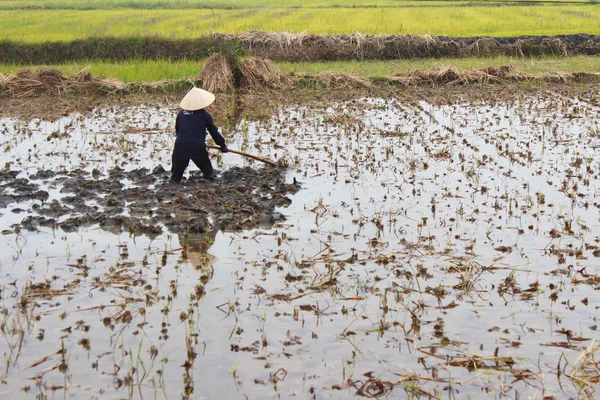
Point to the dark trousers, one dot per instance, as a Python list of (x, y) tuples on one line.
[(180, 164)]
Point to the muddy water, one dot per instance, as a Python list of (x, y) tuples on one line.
[(428, 251)]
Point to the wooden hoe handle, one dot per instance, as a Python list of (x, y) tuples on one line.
[(208, 146)]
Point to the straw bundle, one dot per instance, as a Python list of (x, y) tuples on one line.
[(259, 73), (217, 74)]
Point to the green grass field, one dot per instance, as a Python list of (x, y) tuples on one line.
[(31, 21), (244, 4), (131, 71), (151, 71), (68, 25)]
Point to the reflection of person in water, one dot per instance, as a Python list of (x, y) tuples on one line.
[(196, 245), (191, 125)]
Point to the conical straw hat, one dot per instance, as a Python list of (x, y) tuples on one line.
[(196, 99)]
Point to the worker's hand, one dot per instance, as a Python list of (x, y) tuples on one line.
[(224, 149)]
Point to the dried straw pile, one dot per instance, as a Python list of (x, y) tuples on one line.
[(522, 48), (590, 47), (447, 75), (276, 39), (484, 47), (288, 46), (217, 74), (259, 73), (26, 83), (285, 46), (83, 76), (555, 47), (343, 81)]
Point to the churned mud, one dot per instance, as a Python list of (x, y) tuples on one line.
[(431, 244), (140, 201)]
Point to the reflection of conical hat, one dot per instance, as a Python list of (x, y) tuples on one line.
[(196, 99)]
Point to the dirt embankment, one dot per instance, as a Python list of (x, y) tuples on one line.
[(242, 198), (284, 46), (259, 75)]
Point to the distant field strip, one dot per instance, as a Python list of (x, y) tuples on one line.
[(67, 25), (152, 71), (129, 71), (246, 4)]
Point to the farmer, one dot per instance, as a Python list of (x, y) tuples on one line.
[(190, 127)]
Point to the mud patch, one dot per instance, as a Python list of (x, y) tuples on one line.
[(144, 202)]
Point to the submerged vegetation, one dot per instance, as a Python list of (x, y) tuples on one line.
[(451, 254)]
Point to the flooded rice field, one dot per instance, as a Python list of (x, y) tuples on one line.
[(409, 250)]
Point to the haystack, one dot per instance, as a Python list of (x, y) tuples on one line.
[(217, 74), (259, 73)]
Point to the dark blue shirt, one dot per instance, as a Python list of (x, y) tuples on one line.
[(190, 127)]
